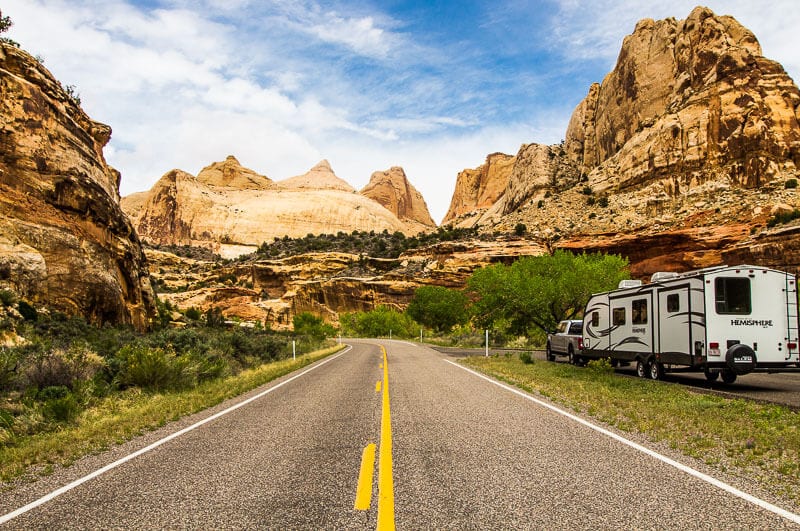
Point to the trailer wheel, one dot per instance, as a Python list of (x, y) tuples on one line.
[(656, 371), (642, 369), (549, 352), (711, 376), (728, 376)]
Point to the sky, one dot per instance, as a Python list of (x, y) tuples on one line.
[(432, 86)]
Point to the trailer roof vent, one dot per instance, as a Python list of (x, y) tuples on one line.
[(661, 276), (629, 284)]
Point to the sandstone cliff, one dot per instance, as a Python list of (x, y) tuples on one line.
[(480, 188), (693, 135), (392, 190), (64, 240), (233, 209)]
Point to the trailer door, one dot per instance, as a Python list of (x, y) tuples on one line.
[(675, 341)]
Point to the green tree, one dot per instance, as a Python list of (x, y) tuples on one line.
[(543, 290), (438, 307), (379, 323), (308, 324), (5, 23)]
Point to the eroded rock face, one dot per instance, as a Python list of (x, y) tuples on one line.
[(64, 240), (392, 190), (233, 209), (480, 188), (677, 159), (688, 101)]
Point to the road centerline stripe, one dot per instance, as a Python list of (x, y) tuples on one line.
[(680, 466), (385, 480), (66, 488), (365, 475)]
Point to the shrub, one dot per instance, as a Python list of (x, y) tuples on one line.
[(157, 368), (540, 204), (602, 202), (60, 405), (790, 183), (783, 217), (27, 311), (525, 357), (309, 324), (193, 313), (601, 365), (590, 201), (7, 297), (587, 190), (57, 366), (520, 229)]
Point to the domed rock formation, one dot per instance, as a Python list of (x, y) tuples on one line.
[(233, 209), (392, 190), (64, 240)]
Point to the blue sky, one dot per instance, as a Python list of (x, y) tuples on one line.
[(433, 87)]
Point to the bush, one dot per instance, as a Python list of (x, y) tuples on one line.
[(309, 324), (790, 183), (27, 311), (193, 313), (7, 297), (784, 217), (380, 322), (520, 229), (601, 365), (602, 202), (60, 405), (43, 366), (525, 357), (157, 368), (587, 190)]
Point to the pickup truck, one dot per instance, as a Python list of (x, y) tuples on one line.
[(567, 340)]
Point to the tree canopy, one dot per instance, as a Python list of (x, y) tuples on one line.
[(540, 291), (438, 307)]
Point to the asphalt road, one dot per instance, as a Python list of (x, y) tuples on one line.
[(466, 453)]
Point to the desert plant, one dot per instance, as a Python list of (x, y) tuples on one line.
[(157, 368), (7, 297), (525, 357), (790, 183), (27, 311)]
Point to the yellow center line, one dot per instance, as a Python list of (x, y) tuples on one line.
[(385, 481), (378, 386), (364, 492)]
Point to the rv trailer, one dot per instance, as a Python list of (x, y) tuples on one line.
[(722, 320)]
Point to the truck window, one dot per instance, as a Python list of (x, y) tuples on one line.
[(673, 303), (732, 296), (576, 328), (618, 316), (562, 327), (639, 311)]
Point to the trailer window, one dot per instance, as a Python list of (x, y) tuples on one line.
[(618, 316), (732, 296), (639, 311), (595, 318), (673, 303)]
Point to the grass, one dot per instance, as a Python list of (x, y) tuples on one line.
[(123, 416), (736, 436)]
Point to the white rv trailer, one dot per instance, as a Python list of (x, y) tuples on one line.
[(720, 320)]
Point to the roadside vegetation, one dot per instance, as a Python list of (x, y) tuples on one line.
[(737, 436), (68, 387)]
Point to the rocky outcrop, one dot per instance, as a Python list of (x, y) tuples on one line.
[(676, 159), (688, 101), (233, 209), (480, 188), (320, 177), (64, 240), (327, 284), (230, 174), (392, 190)]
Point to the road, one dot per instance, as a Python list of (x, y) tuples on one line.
[(466, 454)]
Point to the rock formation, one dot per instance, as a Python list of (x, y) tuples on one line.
[(64, 240), (233, 209), (392, 190), (674, 160), (480, 188)]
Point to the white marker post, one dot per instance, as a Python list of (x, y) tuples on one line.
[(294, 351)]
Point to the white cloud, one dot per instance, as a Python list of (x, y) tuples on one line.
[(361, 35)]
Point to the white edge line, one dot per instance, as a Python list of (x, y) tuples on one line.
[(688, 470), (66, 488)]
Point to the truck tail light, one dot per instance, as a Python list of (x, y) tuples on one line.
[(580, 344)]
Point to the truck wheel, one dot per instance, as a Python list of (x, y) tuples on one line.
[(549, 352), (656, 371), (571, 355), (642, 368), (711, 376), (728, 376)]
